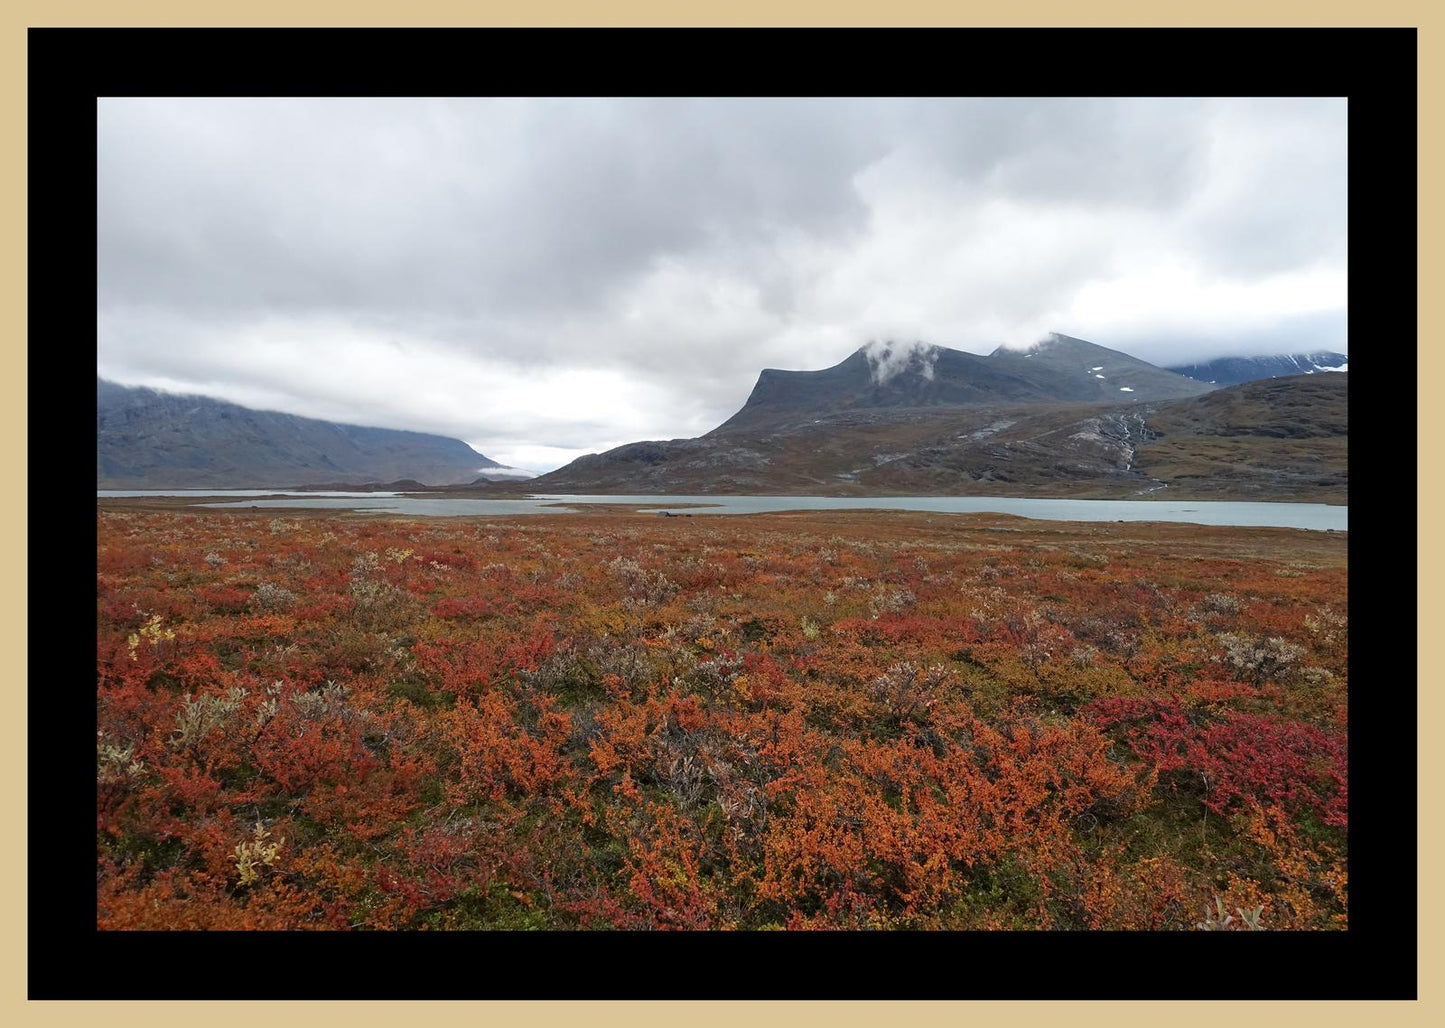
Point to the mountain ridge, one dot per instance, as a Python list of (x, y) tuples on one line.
[(1068, 418), (1234, 370), (148, 438), (1060, 369)]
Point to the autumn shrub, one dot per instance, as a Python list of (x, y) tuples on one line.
[(886, 600), (1235, 757), (1259, 660), (644, 586), (269, 597), (747, 723)]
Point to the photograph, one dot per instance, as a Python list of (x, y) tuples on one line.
[(723, 514)]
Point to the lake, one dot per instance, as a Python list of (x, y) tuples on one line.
[(233, 492), (1312, 516)]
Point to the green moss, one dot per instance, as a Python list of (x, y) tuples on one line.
[(419, 691)]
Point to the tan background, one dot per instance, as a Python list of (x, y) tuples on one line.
[(1427, 15)]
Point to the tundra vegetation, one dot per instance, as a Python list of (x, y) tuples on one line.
[(823, 720)]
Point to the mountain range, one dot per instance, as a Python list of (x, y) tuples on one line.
[(1066, 418), (147, 439), (1233, 370), (1060, 370)]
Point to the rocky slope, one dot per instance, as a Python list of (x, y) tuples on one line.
[(1273, 439)]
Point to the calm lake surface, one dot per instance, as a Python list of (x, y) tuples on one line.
[(1313, 516), (230, 492)]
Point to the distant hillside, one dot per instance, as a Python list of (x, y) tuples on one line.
[(150, 439), (943, 423), (1074, 369), (1055, 420), (1233, 370), (1274, 439), (1020, 449)]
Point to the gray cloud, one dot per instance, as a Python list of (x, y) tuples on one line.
[(886, 359), (546, 277), (1298, 334)]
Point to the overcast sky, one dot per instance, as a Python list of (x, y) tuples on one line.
[(546, 278)]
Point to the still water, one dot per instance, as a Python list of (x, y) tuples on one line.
[(1313, 516), (230, 492)]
